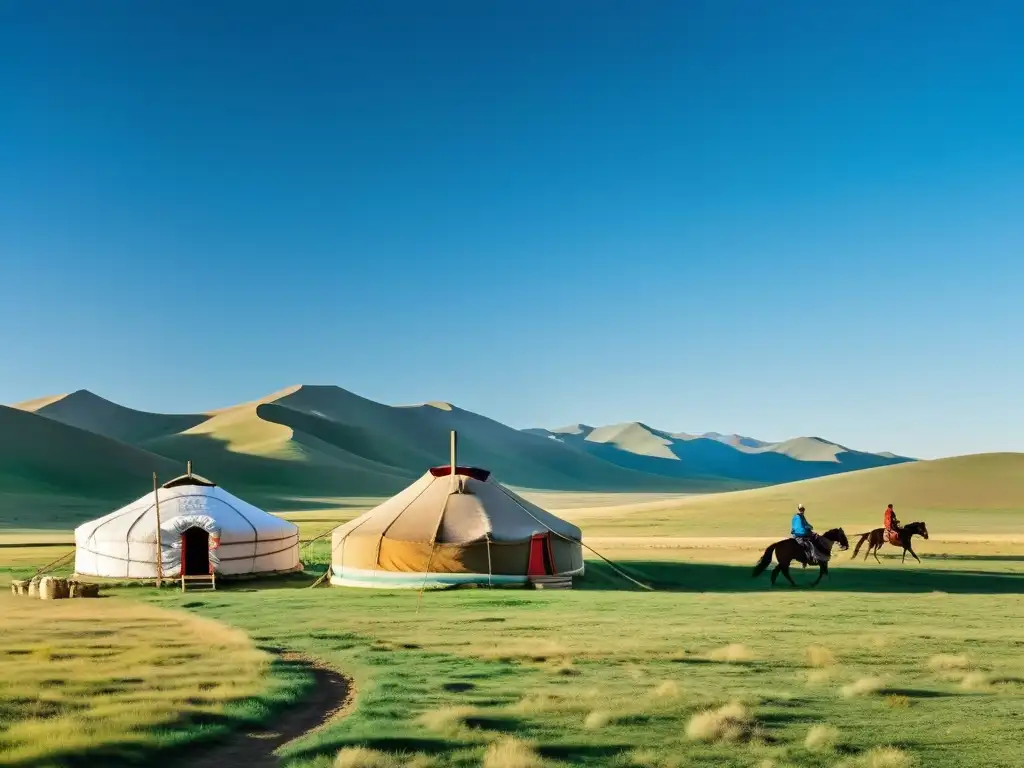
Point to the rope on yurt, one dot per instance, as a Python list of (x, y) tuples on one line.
[(303, 546), (614, 567), (433, 546), (55, 564), (321, 580)]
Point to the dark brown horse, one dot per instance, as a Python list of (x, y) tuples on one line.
[(877, 538), (788, 550)]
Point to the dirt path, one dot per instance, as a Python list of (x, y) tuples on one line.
[(329, 700)]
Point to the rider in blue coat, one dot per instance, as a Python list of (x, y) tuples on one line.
[(800, 527)]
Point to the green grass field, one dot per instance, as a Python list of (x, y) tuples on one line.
[(85, 682), (882, 666)]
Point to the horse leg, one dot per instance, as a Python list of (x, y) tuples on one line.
[(904, 558), (775, 574), (822, 571), (785, 572), (911, 550), (875, 553)]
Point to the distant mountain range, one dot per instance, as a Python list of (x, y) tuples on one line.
[(639, 447), (323, 442)]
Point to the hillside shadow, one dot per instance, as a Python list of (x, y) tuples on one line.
[(714, 577)]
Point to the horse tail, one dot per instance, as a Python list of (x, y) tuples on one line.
[(860, 543), (765, 560)]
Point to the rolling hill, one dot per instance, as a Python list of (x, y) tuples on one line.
[(293, 447), (643, 448), (980, 494), (47, 467), (87, 411), (305, 444)]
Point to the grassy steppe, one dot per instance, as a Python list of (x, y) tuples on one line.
[(880, 667), (97, 682)]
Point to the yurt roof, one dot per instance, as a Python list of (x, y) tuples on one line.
[(475, 508), (188, 479), (186, 495)]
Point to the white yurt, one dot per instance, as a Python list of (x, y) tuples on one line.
[(203, 530)]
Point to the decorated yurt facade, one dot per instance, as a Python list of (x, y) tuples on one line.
[(202, 528), (454, 526)]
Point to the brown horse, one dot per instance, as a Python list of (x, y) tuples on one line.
[(877, 538), (788, 550)]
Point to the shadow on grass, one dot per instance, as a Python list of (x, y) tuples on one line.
[(919, 693), (714, 577)]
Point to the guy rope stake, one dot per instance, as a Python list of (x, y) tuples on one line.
[(159, 544)]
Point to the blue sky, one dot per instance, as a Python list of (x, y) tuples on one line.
[(773, 218)]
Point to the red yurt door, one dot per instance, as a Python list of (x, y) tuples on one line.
[(541, 562)]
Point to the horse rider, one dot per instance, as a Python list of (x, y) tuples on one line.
[(800, 528), (892, 524)]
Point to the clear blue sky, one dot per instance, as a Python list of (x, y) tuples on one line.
[(773, 218)]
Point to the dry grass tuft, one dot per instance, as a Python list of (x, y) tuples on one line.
[(897, 701), (821, 738), (944, 662), (667, 690), (538, 702), (976, 681), (733, 722), (734, 652), (597, 720), (446, 720), (888, 757), (863, 687), (511, 752), (819, 656), (362, 757)]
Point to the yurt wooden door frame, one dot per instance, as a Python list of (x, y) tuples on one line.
[(193, 540), (542, 560)]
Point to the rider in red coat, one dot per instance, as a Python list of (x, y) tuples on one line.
[(892, 525)]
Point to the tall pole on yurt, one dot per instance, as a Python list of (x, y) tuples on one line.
[(454, 446), (159, 544), (189, 467)]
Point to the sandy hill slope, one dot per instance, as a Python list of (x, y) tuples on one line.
[(643, 448), (312, 442), (739, 441), (264, 449), (414, 437), (85, 410), (982, 494), (40, 456)]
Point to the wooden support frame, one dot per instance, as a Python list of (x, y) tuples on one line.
[(159, 543)]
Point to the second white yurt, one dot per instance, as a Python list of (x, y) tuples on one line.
[(203, 530)]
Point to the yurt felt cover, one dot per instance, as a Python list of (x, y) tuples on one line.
[(243, 538), (463, 525)]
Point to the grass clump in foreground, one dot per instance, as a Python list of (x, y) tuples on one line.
[(511, 752), (865, 686), (732, 722), (821, 738), (114, 677)]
